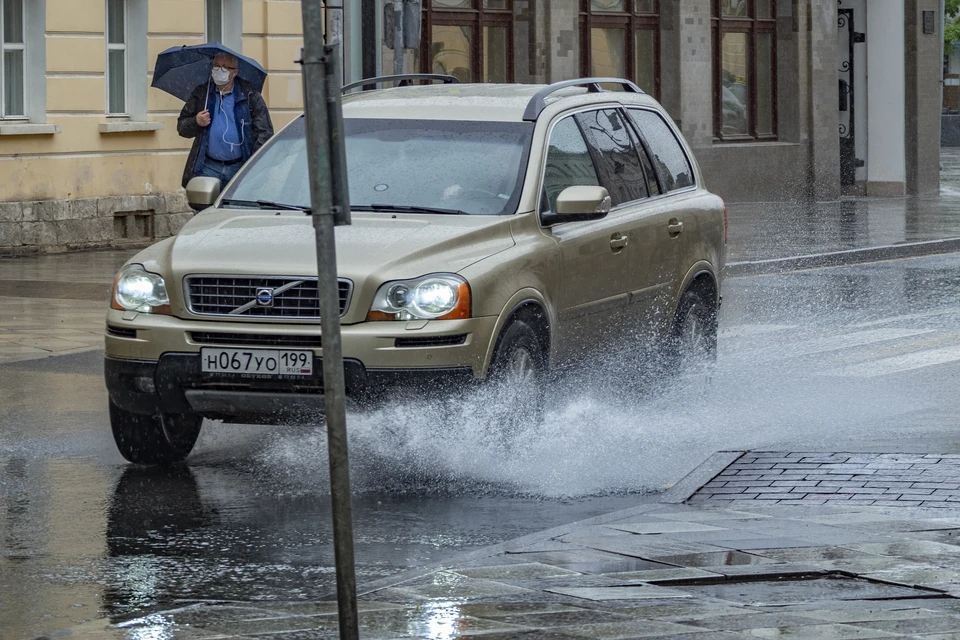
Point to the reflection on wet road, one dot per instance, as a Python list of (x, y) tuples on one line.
[(84, 535), (856, 358)]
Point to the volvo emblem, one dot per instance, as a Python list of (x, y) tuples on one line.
[(264, 297)]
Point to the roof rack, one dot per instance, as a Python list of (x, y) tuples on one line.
[(539, 101), (403, 79)]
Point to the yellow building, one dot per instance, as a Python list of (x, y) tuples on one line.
[(89, 152)]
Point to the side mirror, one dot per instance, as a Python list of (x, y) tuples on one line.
[(202, 192), (580, 203)]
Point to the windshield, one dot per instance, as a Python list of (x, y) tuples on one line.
[(401, 165)]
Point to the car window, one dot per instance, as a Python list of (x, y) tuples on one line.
[(665, 149), (469, 166), (568, 163), (653, 184), (615, 154)]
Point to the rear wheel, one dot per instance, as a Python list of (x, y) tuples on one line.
[(148, 439), (693, 339), (517, 378)]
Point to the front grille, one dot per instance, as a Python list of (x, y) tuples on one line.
[(237, 297), (431, 341), (120, 332), (255, 339)]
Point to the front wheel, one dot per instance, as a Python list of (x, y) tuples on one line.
[(148, 439), (517, 378)]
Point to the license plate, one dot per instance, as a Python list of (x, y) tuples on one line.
[(261, 362)]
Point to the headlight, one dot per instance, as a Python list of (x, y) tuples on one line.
[(136, 289), (433, 297)]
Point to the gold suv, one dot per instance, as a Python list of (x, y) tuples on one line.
[(499, 232)]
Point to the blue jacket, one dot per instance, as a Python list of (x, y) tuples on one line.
[(249, 108)]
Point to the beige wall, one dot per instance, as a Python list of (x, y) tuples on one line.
[(82, 162)]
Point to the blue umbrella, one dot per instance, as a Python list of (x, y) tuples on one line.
[(180, 70)]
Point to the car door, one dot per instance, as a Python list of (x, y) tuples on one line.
[(592, 290), (673, 245), (644, 219)]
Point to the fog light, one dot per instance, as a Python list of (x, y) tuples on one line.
[(144, 384)]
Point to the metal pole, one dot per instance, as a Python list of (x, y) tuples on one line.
[(398, 50), (328, 203), (368, 29), (334, 12)]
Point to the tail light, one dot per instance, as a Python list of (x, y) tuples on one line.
[(725, 225)]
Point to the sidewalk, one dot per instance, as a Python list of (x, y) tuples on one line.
[(770, 237), (749, 545)]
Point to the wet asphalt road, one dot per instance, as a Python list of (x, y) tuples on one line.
[(857, 358)]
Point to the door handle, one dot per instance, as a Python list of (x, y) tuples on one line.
[(674, 227), (618, 241)]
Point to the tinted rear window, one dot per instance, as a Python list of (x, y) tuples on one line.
[(615, 154), (667, 153)]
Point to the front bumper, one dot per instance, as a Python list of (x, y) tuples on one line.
[(175, 384), (376, 345)]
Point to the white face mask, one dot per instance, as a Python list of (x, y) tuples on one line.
[(221, 76)]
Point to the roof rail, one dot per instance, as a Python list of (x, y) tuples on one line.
[(366, 82), (539, 101)]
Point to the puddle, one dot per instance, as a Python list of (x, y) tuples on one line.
[(612, 566), (805, 590), (714, 559)]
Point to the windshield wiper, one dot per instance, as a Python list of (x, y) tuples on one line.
[(409, 209), (265, 204)]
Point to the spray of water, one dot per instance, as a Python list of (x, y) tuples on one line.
[(606, 430)]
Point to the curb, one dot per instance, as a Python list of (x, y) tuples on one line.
[(842, 258), (701, 475)]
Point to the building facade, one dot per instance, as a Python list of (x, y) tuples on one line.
[(89, 153), (782, 100)]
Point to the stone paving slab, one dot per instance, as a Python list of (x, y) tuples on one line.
[(32, 328)]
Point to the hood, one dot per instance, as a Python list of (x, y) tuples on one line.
[(381, 246)]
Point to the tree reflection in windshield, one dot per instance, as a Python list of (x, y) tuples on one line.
[(468, 166)]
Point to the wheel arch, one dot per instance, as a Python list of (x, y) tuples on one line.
[(530, 306), (702, 279)]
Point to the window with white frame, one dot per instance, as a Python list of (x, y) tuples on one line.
[(12, 84), (116, 57), (127, 65), (223, 20), (214, 30)]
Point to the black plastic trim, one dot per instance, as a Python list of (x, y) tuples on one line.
[(176, 372), (121, 332), (366, 82), (255, 339), (431, 341), (539, 101)]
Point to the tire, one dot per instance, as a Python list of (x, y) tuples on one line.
[(693, 337), (517, 378), (148, 439)]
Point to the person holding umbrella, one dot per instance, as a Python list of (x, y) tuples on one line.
[(224, 112)]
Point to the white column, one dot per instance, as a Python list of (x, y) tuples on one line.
[(886, 120)]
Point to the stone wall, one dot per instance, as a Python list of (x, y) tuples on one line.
[(563, 38), (58, 225)]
